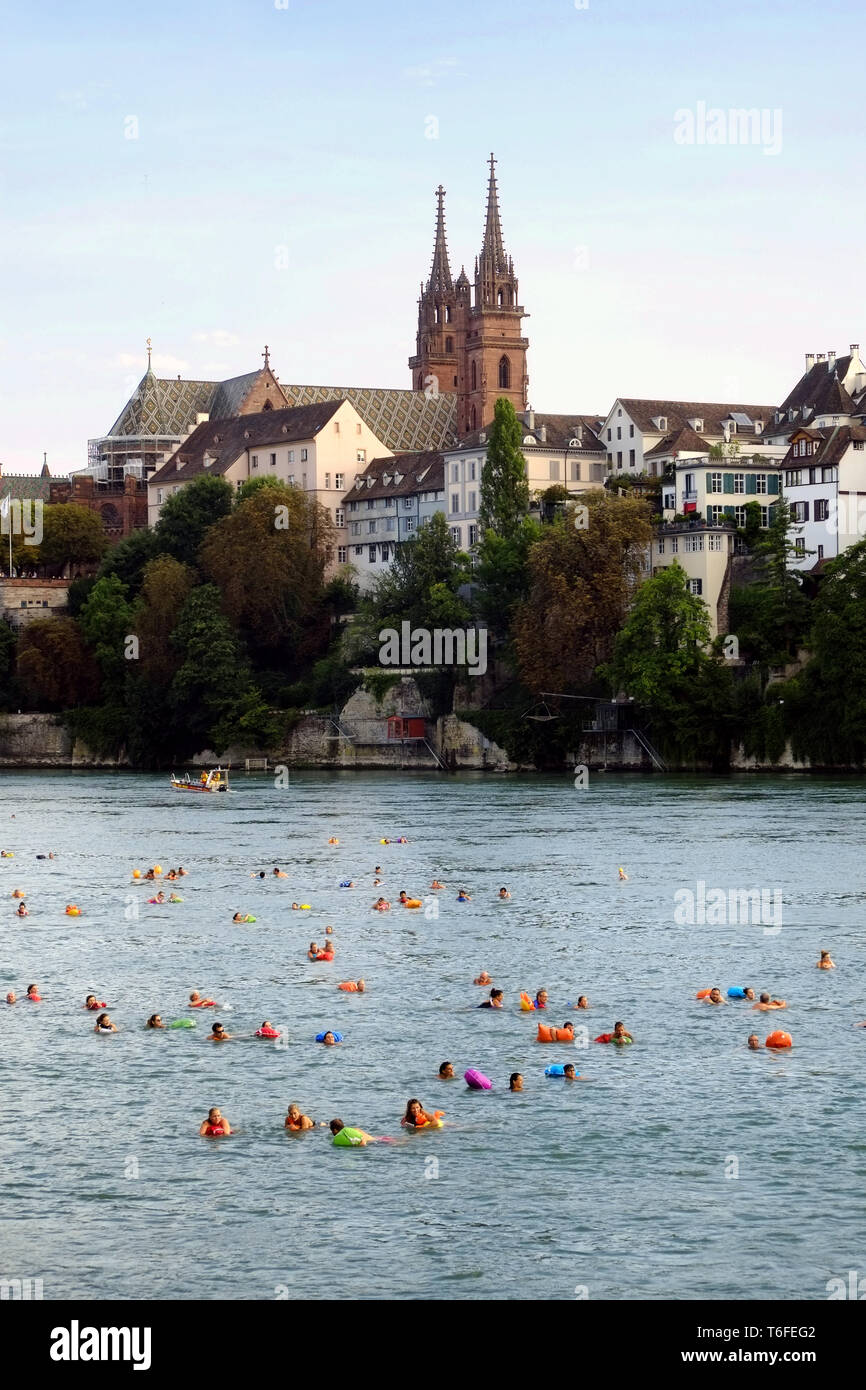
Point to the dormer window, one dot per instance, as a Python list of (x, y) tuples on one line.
[(697, 424), (369, 482), (661, 422), (246, 434), (759, 427), (386, 479), (529, 439), (398, 478), (482, 438)]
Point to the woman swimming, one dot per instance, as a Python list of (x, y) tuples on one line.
[(463, 896), (93, 1004), (541, 999), (22, 910), (296, 1121), (436, 884), (416, 1117), (825, 963), (154, 1022), (105, 1025), (33, 994), (515, 1081), (328, 1040), (504, 893), (496, 1000), (446, 1070), (582, 1002), (215, 1123)]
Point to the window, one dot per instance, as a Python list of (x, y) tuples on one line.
[(631, 431), (820, 552), (390, 523), (619, 459), (158, 496), (661, 546), (575, 472), (455, 472), (359, 550), (353, 506), (449, 344), (339, 516), (342, 554), (455, 534), (291, 480), (360, 455), (355, 528), (829, 475), (386, 552), (273, 460), (472, 470), (327, 480), (455, 501), (554, 470), (303, 480), (715, 515), (339, 481), (674, 544), (799, 546), (407, 502), (371, 528), (715, 483), (691, 490), (410, 523), (799, 511), (471, 507), (610, 458), (631, 458), (739, 482), (693, 543), (389, 501), (619, 431), (822, 509), (859, 443), (254, 461), (765, 516), (793, 477), (504, 373), (291, 456), (473, 376), (473, 535), (370, 503), (696, 586), (761, 483), (608, 436), (371, 554), (714, 542), (304, 455)]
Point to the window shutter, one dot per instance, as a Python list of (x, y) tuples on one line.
[(710, 514), (751, 483), (728, 482), (728, 513), (805, 511), (773, 483)]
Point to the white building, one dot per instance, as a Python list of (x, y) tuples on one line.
[(824, 475), (385, 504), (635, 429)]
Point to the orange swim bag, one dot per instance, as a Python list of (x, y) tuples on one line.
[(549, 1035), (349, 986), (780, 1039), (703, 994)]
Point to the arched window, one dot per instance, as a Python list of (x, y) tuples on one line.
[(111, 519), (448, 313), (438, 314), (504, 373), (474, 376), (500, 299), (449, 344), (267, 406)]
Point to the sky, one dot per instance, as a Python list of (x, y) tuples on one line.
[(221, 175)]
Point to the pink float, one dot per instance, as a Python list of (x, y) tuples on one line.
[(477, 1081)]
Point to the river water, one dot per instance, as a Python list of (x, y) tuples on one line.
[(685, 1167)]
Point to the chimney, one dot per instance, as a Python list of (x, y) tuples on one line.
[(542, 434), (819, 357), (810, 361), (831, 360), (529, 418)]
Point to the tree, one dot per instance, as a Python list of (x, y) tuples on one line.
[(662, 644), (268, 559), (254, 485), (421, 585), (212, 680), (71, 535), (771, 615), (129, 558), (504, 497), (105, 621), (55, 668), (188, 515), (582, 580), (166, 586), (8, 647), (503, 574)]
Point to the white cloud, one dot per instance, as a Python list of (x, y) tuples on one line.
[(426, 74), (217, 337)]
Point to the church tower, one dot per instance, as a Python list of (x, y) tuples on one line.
[(494, 349), (435, 363)]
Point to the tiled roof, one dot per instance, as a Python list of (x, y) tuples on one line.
[(225, 440), (559, 431), (681, 441), (420, 472), (402, 420), (27, 488), (836, 441), (821, 388), (678, 413)]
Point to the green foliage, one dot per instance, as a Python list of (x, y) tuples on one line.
[(504, 498), (55, 668), (106, 621), (101, 728), (8, 649), (379, 681), (422, 582), (503, 575), (254, 485), (213, 679), (71, 535), (187, 515), (129, 559), (78, 593)]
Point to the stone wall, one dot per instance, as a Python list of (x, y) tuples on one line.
[(40, 740)]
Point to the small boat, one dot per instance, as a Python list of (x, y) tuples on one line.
[(217, 780)]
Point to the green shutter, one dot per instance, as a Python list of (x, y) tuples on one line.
[(728, 482), (751, 483), (728, 513), (710, 511), (773, 481)]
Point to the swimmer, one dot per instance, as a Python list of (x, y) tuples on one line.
[(504, 893), (296, 907), (259, 873), (378, 869), (404, 896), (825, 963), (278, 873), (416, 1117), (358, 1142), (377, 882), (333, 840), (619, 1034), (181, 871), (296, 1121), (446, 1069), (748, 994), (160, 898), (329, 1040), (175, 898), (10, 997), (18, 892), (360, 987), (496, 1000), (436, 884), (570, 1074), (623, 876), (463, 896), (150, 874), (765, 1003), (754, 1042), (22, 910), (154, 1022), (33, 994), (105, 1025), (483, 979), (313, 953), (515, 1081), (215, 1123), (219, 1034), (171, 875), (381, 905), (268, 1030), (541, 999), (92, 1003), (568, 1028), (582, 1002), (714, 997), (329, 931)]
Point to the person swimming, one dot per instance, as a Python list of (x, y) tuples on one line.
[(296, 1121), (496, 1000), (623, 875), (258, 873), (22, 910), (358, 1137), (416, 1117), (570, 1074), (515, 1081), (329, 1040), (504, 893), (219, 1034), (541, 999), (11, 997), (714, 997), (325, 953), (196, 1001), (765, 1003), (92, 1003), (171, 875), (436, 884), (825, 963), (105, 1025), (446, 1069), (175, 898), (215, 1123), (154, 1022), (278, 873), (381, 905), (754, 1042), (483, 979), (33, 994), (620, 1035), (160, 898), (181, 871), (582, 1002), (463, 896), (18, 892)]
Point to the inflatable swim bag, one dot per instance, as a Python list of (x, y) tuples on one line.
[(703, 994), (349, 986), (526, 1004), (182, 1023), (736, 992), (780, 1039), (348, 1138), (549, 1035), (267, 1032), (413, 902), (477, 1081), (556, 1070), (338, 1037)]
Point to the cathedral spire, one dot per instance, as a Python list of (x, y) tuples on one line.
[(440, 281), (493, 249)]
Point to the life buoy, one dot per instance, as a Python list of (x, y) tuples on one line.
[(477, 1081), (549, 1035), (267, 1032)]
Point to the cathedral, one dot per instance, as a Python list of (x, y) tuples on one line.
[(470, 344)]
